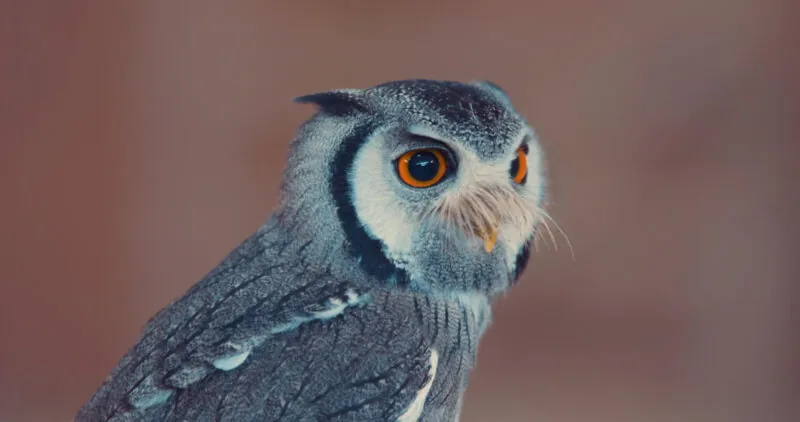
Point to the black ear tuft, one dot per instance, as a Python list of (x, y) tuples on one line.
[(337, 103), (494, 89)]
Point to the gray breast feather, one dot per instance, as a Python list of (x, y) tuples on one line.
[(264, 343)]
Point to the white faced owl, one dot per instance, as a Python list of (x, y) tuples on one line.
[(405, 209)]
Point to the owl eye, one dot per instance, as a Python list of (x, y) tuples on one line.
[(519, 167), (422, 168)]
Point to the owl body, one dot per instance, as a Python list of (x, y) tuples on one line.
[(404, 210)]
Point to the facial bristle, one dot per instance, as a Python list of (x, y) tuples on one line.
[(479, 210)]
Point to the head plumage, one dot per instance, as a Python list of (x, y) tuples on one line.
[(340, 102)]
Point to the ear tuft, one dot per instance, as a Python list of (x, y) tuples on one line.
[(337, 103), (493, 89)]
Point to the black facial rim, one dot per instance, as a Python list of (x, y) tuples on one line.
[(522, 261), (368, 251), (525, 253)]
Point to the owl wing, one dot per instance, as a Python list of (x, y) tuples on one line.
[(262, 342)]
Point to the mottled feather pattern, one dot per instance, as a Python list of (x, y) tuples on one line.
[(331, 311), (365, 364)]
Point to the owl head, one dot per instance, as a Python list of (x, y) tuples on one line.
[(428, 185)]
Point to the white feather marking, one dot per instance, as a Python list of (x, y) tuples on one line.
[(380, 209), (352, 297), (414, 411), (336, 308), (153, 400), (147, 394), (231, 362)]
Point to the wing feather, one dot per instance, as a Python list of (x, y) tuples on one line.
[(260, 342)]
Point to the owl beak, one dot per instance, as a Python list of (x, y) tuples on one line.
[(489, 239)]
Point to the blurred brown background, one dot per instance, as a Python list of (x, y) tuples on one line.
[(141, 141)]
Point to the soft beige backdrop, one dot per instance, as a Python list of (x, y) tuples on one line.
[(141, 140)]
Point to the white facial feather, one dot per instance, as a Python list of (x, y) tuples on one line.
[(521, 201), (384, 214)]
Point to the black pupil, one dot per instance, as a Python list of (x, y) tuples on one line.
[(514, 167), (423, 166)]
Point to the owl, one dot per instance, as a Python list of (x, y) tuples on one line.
[(405, 209)]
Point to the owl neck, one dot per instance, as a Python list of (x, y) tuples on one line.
[(325, 255), (326, 247)]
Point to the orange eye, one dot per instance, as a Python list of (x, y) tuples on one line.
[(422, 168), (519, 167)]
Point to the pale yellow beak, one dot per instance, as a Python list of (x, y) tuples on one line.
[(489, 239)]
